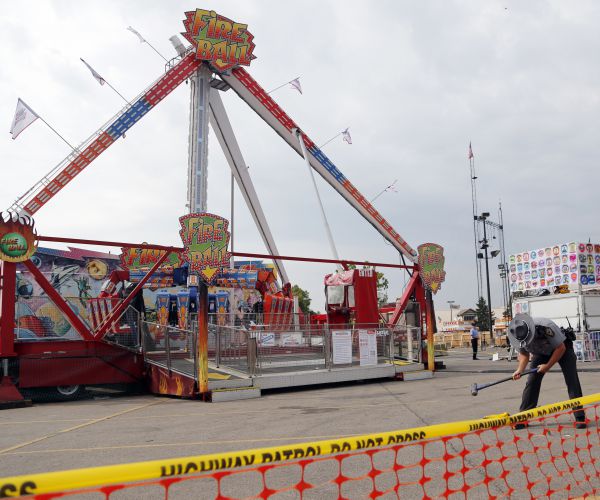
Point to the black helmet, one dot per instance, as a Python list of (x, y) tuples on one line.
[(522, 329)]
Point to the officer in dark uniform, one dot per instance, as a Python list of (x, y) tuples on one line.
[(546, 342)]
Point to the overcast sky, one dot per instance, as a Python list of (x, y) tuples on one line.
[(414, 80)]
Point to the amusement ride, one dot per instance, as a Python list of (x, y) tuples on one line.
[(213, 63)]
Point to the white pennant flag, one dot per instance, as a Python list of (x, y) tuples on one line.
[(346, 136), (295, 83), (24, 116), (136, 33), (392, 187), (98, 78)]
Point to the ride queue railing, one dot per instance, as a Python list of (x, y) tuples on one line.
[(261, 350), (252, 344)]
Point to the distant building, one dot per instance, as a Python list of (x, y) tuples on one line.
[(467, 315), (450, 322)]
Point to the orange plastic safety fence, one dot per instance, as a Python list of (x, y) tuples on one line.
[(549, 459)]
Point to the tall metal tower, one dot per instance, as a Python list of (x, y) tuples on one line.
[(198, 139), (476, 237)]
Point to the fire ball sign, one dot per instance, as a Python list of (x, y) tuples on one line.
[(431, 264), (205, 238), (134, 259), (17, 238), (218, 40)]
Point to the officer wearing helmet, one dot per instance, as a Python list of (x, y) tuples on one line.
[(545, 341)]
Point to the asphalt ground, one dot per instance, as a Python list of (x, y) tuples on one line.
[(107, 430)]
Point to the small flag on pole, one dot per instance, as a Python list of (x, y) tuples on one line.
[(136, 33), (295, 83), (346, 136), (470, 152), (98, 78), (392, 187), (24, 116)]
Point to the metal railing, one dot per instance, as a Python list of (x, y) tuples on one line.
[(170, 347), (228, 347), (407, 343), (253, 345), (260, 351), (127, 329), (249, 319)]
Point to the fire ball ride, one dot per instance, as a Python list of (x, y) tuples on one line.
[(212, 64)]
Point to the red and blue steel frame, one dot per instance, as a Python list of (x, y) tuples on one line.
[(76, 162), (258, 99), (265, 106)]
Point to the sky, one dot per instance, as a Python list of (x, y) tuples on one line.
[(415, 81)]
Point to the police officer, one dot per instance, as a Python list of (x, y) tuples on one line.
[(474, 340), (546, 342)]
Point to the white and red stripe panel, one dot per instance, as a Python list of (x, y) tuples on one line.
[(264, 105), (46, 189)]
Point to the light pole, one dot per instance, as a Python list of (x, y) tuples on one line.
[(450, 302), (505, 288), (484, 246)]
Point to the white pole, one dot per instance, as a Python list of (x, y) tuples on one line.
[(232, 214), (53, 130), (312, 176), (334, 137), (391, 186), (198, 140)]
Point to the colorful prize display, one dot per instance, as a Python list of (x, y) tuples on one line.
[(563, 264)]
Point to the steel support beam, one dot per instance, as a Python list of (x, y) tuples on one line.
[(226, 137), (62, 305), (120, 309), (263, 104), (403, 301), (198, 140), (8, 283)]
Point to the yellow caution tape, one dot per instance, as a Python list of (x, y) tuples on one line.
[(498, 415), (51, 482)]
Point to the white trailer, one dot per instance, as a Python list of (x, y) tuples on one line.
[(580, 308)]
